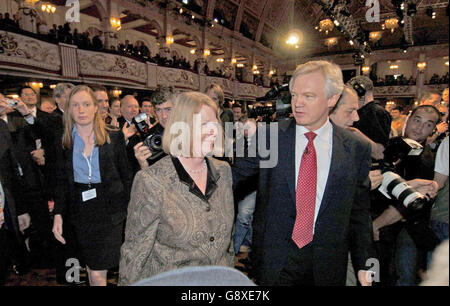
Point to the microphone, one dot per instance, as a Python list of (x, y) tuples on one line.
[(306, 151)]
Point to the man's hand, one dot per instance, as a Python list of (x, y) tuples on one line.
[(377, 148), (426, 187), (128, 131), (390, 216), (142, 152), (38, 157), (365, 278), (24, 222), (22, 108), (375, 179), (3, 105), (442, 127)]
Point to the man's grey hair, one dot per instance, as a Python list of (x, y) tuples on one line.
[(426, 94), (61, 88), (333, 75)]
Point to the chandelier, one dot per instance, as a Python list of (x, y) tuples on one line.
[(326, 25), (331, 42), (294, 36), (391, 24), (375, 36)]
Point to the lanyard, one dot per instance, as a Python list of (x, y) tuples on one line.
[(89, 162)]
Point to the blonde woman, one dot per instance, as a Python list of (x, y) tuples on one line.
[(181, 208), (93, 184)]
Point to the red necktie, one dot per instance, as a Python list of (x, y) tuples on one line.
[(306, 195)]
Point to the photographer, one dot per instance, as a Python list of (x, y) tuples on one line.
[(409, 240), (162, 100), (374, 121)]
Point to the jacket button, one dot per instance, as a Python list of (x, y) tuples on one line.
[(208, 209), (211, 239)]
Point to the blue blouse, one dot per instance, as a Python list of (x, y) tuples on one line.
[(82, 164)]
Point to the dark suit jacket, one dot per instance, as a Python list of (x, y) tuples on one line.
[(115, 176), (343, 219), (132, 141), (10, 179)]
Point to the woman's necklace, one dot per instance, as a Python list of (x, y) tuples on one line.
[(197, 171)]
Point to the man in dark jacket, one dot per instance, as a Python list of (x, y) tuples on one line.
[(313, 195), (13, 216)]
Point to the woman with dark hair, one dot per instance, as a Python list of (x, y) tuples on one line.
[(93, 184)]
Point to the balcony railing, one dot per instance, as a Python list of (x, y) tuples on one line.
[(23, 55)]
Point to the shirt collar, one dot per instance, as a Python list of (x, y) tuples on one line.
[(33, 111), (211, 181), (323, 133)]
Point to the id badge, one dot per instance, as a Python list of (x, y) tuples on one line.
[(89, 194)]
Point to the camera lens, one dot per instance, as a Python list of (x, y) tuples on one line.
[(156, 142)]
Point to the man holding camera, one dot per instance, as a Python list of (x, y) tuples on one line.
[(162, 101), (412, 238)]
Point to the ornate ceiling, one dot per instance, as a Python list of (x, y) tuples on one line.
[(268, 22)]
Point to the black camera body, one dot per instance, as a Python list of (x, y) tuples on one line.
[(281, 96), (151, 137), (393, 185)]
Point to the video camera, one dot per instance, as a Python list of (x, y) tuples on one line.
[(393, 185), (150, 137), (282, 106)]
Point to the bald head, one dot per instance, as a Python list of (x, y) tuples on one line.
[(345, 113), (129, 107)]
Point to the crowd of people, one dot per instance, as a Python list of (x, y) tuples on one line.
[(107, 182), (96, 42), (402, 80)]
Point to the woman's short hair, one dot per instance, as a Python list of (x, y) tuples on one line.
[(186, 105), (218, 91), (333, 75), (100, 128)]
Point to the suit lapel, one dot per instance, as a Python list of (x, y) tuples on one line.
[(339, 159), (102, 160), (287, 157)]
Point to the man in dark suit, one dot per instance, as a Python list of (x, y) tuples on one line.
[(313, 201), (29, 142), (129, 108), (13, 216)]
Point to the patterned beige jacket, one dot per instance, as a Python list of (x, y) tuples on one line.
[(171, 224)]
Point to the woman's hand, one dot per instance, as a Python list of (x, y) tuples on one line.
[(58, 229)]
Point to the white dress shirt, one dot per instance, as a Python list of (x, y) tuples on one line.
[(323, 143)]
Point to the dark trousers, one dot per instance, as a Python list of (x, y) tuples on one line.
[(299, 269), (5, 254), (11, 252)]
